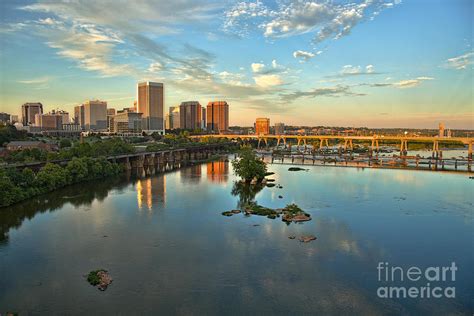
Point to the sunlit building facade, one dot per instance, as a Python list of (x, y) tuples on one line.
[(217, 113), (262, 126), (151, 105), (190, 115)]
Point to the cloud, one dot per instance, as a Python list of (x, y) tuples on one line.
[(40, 80), (304, 55), (326, 19), (257, 67), (402, 84), (336, 91), (349, 70), (460, 62), (268, 80), (155, 67)]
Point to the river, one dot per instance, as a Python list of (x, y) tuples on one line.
[(169, 249)]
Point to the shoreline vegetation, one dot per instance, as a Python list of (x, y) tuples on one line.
[(87, 162)]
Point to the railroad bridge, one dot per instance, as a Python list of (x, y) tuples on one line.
[(157, 159)]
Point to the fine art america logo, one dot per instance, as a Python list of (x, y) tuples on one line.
[(415, 282)]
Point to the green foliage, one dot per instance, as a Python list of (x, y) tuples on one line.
[(65, 143), (20, 185), (248, 166), (93, 278), (9, 133), (97, 148), (157, 147)]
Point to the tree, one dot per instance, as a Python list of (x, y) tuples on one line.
[(64, 143), (248, 166)]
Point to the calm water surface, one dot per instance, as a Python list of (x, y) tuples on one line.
[(169, 249)]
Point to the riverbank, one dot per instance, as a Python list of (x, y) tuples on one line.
[(17, 186)]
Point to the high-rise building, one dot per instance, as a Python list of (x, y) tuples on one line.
[(190, 115), (151, 104), (203, 118), (217, 113), (127, 122), (95, 115), (64, 114), (79, 115), (167, 121), (49, 121), (279, 128), (110, 119), (262, 126), (174, 117), (441, 130), (28, 112)]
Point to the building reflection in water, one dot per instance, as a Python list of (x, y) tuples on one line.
[(151, 191), (191, 174), (217, 171)]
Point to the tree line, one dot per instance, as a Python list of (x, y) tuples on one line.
[(16, 186)]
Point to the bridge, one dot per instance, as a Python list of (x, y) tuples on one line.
[(348, 140), (156, 159)]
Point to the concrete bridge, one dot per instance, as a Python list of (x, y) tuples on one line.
[(157, 159), (347, 141)]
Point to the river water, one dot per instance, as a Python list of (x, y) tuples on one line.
[(169, 249)]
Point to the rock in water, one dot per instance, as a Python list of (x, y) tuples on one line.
[(105, 280), (307, 238), (99, 278)]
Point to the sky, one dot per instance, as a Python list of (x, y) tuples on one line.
[(374, 63)]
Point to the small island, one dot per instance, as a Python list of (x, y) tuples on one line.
[(99, 278)]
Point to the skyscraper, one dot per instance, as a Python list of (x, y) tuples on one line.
[(262, 126), (28, 112), (174, 117), (151, 104), (79, 115), (217, 116), (190, 115), (95, 115)]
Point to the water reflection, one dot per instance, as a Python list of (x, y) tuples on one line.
[(217, 171), (245, 192), (151, 191), (191, 174), (78, 195)]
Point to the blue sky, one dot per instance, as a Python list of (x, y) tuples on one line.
[(376, 63)]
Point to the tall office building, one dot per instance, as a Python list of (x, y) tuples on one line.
[(203, 118), (49, 121), (217, 116), (28, 112), (79, 115), (262, 126), (95, 115), (190, 115), (110, 119), (279, 128), (174, 117), (151, 104)]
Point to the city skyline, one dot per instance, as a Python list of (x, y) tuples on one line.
[(384, 64)]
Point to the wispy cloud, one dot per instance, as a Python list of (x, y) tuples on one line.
[(40, 80), (402, 84), (460, 62), (335, 91)]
